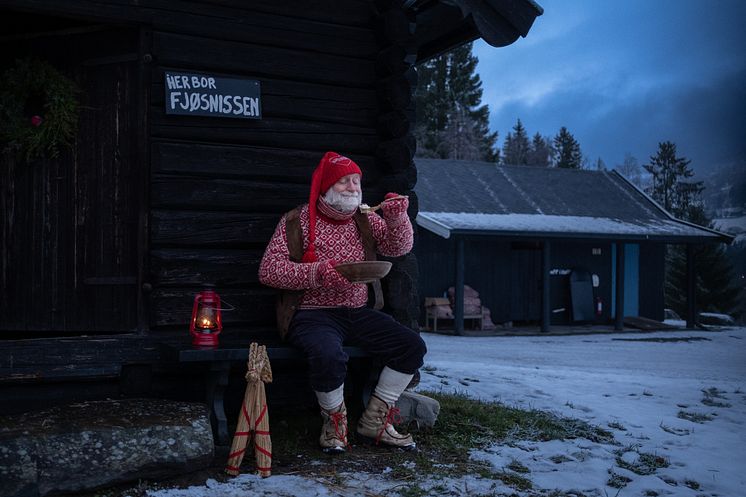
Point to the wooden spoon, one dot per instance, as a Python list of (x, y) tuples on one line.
[(365, 208)]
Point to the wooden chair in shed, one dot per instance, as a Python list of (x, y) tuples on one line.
[(435, 308)]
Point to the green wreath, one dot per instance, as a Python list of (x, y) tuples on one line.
[(38, 109)]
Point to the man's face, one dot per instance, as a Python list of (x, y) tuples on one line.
[(346, 194)]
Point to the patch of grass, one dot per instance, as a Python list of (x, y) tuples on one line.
[(714, 392), (560, 458), (517, 467), (412, 491), (669, 481), (465, 423), (708, 401), (617, 426), (675, 431), (694, 417), (616, 480), (691, 484), (651, 493), (515, 480), (711, 394), (645, 463)]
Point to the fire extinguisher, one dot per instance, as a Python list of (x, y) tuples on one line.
[(599, 306)]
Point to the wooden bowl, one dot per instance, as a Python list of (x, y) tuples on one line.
[(364, 271)]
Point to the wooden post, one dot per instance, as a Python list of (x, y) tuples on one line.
[(619, 318), (458, 315), (691, 287), (142, 153), (546, 313)]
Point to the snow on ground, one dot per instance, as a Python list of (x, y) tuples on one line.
[(677, 397), (638, 386)]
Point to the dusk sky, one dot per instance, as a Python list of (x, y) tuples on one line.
[(625, 75)]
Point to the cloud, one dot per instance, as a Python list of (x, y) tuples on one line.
[(623, 76), (706, 122)]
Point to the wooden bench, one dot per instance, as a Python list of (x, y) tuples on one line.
[(431, 313), (220, 359)]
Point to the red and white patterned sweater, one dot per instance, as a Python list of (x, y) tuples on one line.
[(337, 238)]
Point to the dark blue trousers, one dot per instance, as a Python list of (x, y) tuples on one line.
[(320, 333)]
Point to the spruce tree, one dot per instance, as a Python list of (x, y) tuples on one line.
[(567, 150), (716, 287), (449, 92), (540, 152), (716, 290), (670, 187), (516, 147)]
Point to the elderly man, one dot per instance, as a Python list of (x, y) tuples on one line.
[(319, 309)]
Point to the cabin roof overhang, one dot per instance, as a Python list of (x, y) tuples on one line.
[(445, 24)]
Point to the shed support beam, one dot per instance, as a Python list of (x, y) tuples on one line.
[(458, 315), (546, 313), (619, 303), (691, 287)]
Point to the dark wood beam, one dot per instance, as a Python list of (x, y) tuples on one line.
[(546, 313), (691, 287), (619, 318), (458, 321)]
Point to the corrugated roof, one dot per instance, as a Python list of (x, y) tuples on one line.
[(484, 198)]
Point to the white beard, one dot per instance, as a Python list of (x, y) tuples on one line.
[(343, 201)]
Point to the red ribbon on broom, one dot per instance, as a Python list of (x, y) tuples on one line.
[(254, 408)]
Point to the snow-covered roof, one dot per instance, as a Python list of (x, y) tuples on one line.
[(464, 197)]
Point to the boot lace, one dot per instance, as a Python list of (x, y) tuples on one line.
[(393, 417), (339, 421)]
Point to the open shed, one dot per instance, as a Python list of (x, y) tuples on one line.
[(105, 245), (546, 245)]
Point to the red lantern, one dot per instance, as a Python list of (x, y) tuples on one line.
[(206, 320)]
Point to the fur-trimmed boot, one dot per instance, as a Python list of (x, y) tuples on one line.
[(376, 424), (333, 439)]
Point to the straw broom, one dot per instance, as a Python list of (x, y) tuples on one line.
[(254, 408)]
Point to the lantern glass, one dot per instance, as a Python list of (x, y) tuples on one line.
[(206, 319), (206, 322)]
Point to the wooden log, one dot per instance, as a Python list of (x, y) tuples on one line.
[(393, 124), (254, 306), (392, 60), (403, 180), (304, 101), (350, 12), (271, 165), (412, 76), (211, 229), (270, 133), (223, 13), (394, 92), (178, 191), (394, 155), (393, 26), (191, 52), (193, 267), (244, 22), (69, 358)]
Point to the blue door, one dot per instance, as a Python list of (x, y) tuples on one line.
[(631, 279)]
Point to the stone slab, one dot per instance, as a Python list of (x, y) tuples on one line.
[(83, 446)]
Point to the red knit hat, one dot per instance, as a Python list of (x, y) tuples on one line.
[(331, 168)]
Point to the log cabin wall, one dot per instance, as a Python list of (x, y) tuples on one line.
[(219, 186), (204, 193)]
